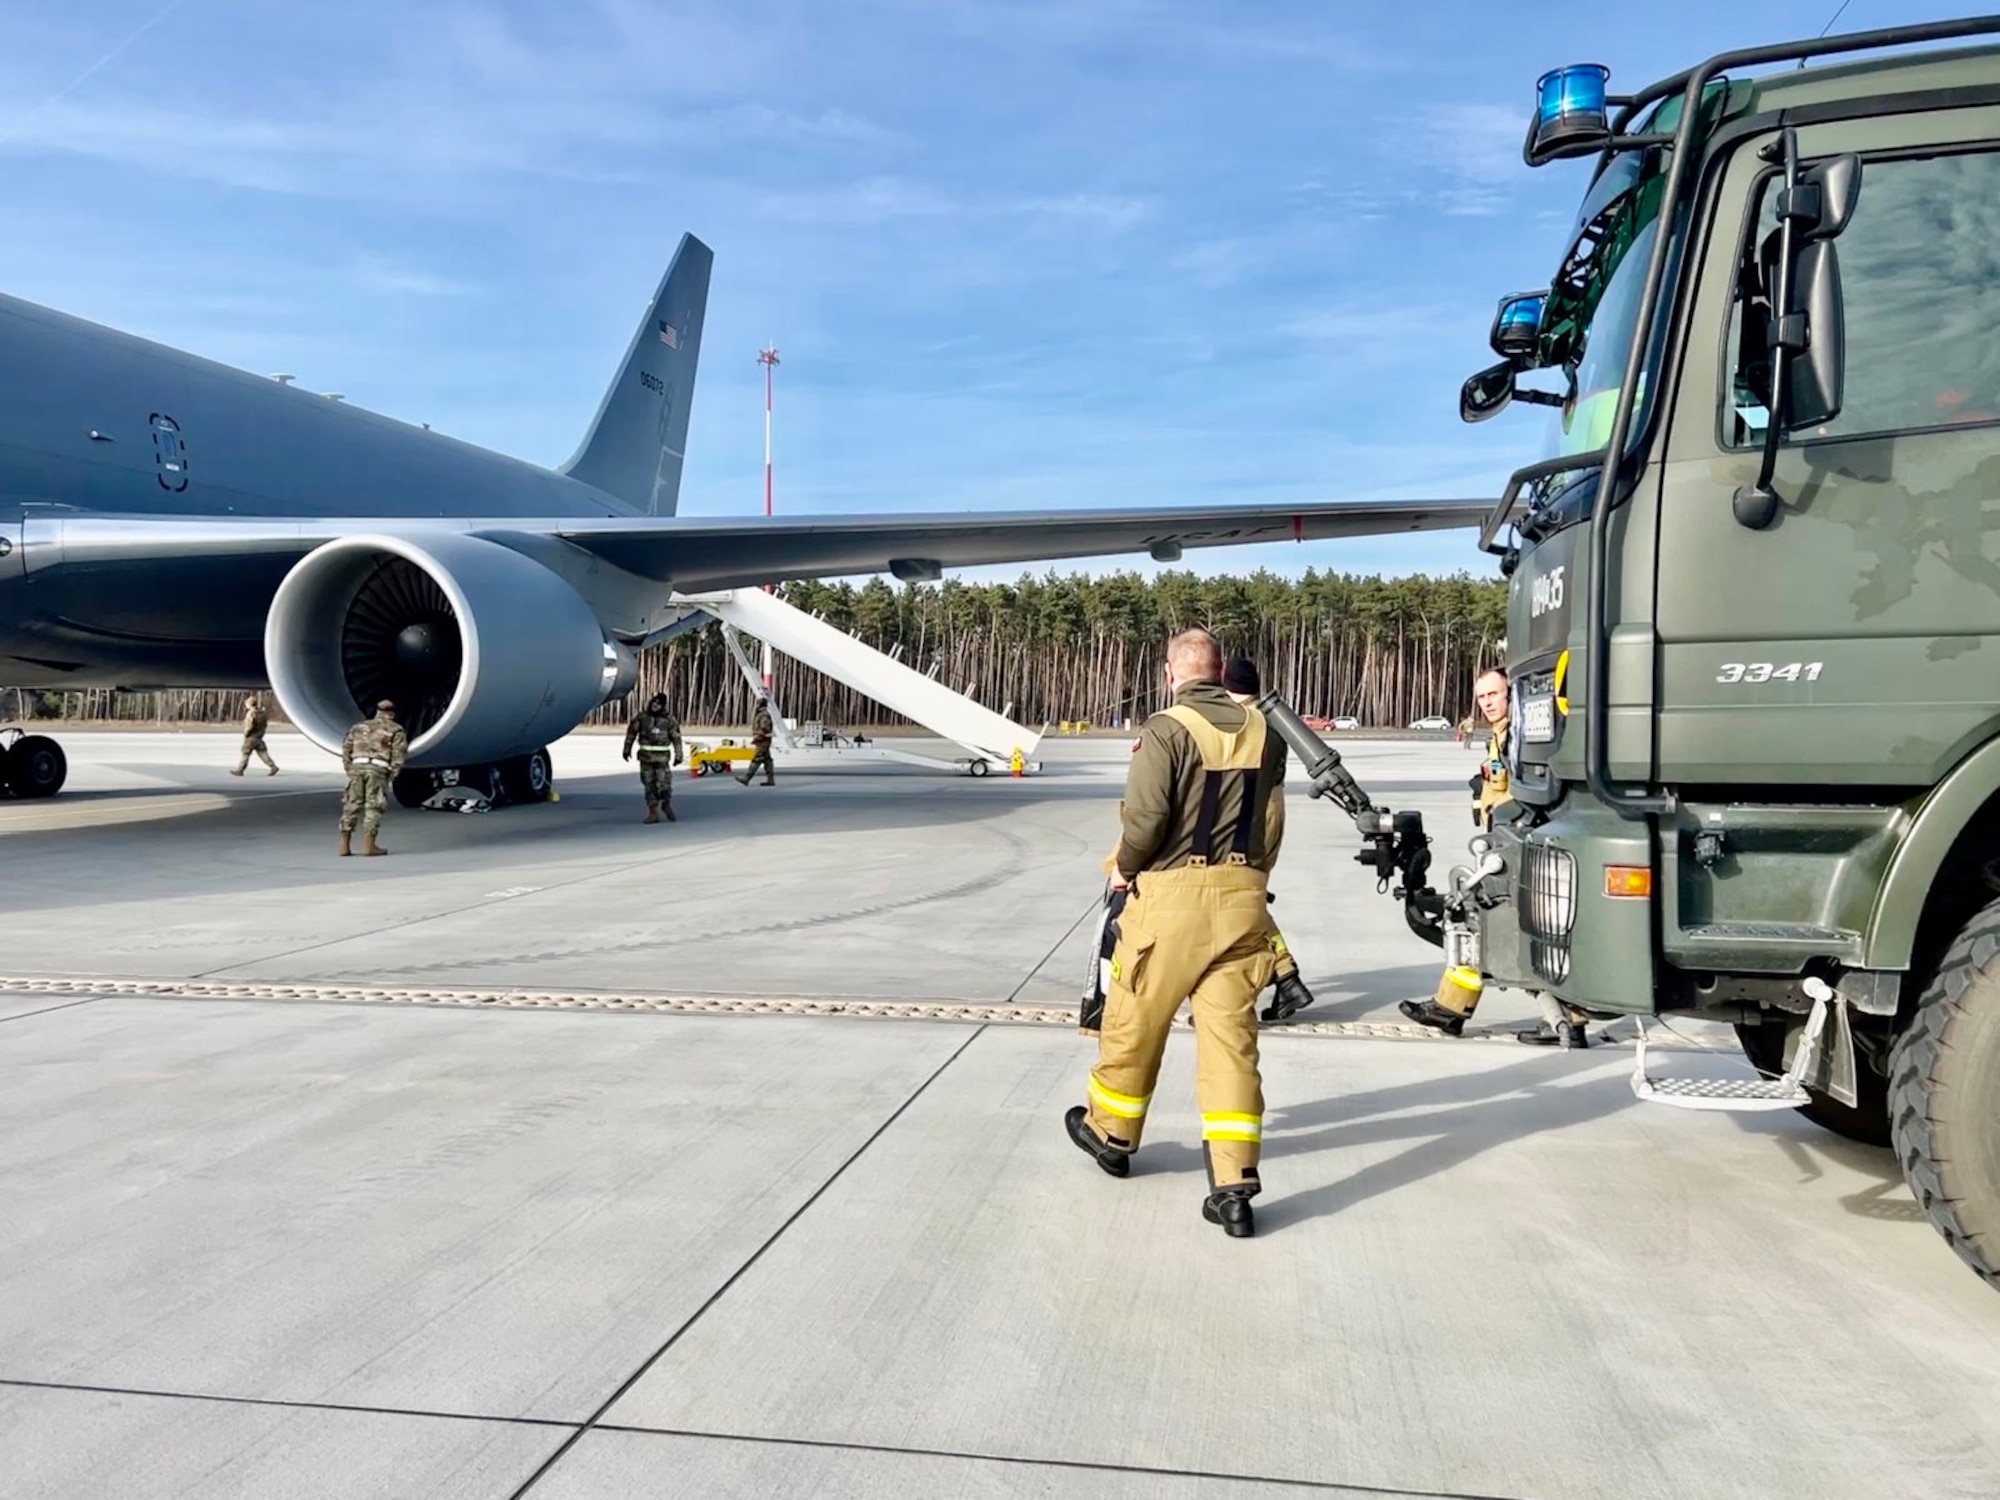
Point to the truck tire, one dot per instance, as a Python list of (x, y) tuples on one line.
[(1944, 1079), (1769, 1046)]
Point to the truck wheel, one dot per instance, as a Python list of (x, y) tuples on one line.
[(1769, 1046), (1944, 1077)]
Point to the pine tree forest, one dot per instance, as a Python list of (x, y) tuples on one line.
[(1053, 648)]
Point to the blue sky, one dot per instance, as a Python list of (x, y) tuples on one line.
[(1048, 253)]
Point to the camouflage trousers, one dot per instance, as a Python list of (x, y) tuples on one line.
[(367, 794), (656, 775), (761, 758), (253, 744)]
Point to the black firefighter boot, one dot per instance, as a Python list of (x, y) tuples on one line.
[(1115, 1161), (1290, 997), (1230, 1207), (1437, 1017)]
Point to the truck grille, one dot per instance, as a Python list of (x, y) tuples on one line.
[(1547, 905)]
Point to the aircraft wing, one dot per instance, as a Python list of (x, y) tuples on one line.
[(712, 552), (695, 552)]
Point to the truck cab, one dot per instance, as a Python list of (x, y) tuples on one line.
[(1754, 609)]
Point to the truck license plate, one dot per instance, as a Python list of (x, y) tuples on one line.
[(1538, 720)]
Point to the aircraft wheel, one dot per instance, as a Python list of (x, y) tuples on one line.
[(979, 768), (34, 766), (528, 778)]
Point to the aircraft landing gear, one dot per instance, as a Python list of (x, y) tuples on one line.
[(521, 778), (31, 765)]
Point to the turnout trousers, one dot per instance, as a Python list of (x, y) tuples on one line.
[(1198, 933)]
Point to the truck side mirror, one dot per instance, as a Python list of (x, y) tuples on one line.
[(1818, 375), (1808, 340), (1487, 393)]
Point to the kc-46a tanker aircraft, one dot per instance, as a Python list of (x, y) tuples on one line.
[(166, 521)]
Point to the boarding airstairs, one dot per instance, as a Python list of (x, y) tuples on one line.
[(992, 741)]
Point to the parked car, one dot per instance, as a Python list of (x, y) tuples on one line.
[(1431, 721), (1346, 721)]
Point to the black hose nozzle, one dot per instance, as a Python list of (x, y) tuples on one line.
[(1319, 760)]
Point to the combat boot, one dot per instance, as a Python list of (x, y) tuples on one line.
[(1118, 1163), (346, 839), (668, 809), (237, 772), (1430, 1013), (274, 769), (652, 812), (373, 847), (1291, 997), (1230, 1207)]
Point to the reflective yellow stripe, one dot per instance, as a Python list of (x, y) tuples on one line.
[(1232, 1127), (1124, 1106), (1469, 979)]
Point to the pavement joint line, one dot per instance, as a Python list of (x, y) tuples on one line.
[(282, 1403), (1003, 1013), (1325, 1486), (49, 1010), (737, 1275), (1042, 962)]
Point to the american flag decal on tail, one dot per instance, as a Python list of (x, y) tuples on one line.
[(669, 335)]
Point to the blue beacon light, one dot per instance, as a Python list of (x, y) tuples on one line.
[(1570, 106), (1517, 327)]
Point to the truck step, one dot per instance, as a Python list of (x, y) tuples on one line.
[(1739, 1094)]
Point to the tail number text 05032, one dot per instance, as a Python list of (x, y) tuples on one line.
[(1764, 671)]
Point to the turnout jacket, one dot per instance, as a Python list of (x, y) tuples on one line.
[(1161, 812)]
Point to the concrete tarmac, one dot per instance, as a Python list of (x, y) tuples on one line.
[(499, 1229)]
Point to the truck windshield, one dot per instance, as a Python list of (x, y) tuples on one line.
[(1592, 317)]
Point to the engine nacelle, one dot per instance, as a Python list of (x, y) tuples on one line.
[(486, 653)]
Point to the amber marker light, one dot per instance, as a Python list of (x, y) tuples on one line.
[(1634, 882)]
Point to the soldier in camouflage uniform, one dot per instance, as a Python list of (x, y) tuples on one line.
[(658, 736), (372, 754), (256, 719), (760, 741)]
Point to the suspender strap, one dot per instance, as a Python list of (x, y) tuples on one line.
[(1240, 847), (1204, 818)]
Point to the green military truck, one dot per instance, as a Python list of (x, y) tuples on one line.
[(1754, 617)]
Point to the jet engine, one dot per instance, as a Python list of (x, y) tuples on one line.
[(486, 653)]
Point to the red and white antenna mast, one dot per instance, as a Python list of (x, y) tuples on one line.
[(768, 358)]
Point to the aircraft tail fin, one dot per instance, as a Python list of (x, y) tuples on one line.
[(634, 448)]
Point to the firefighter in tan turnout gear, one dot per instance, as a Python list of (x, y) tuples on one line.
[(1200, 828), (372, 754), (1289, 995), (1459, 990), (657, 736)]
